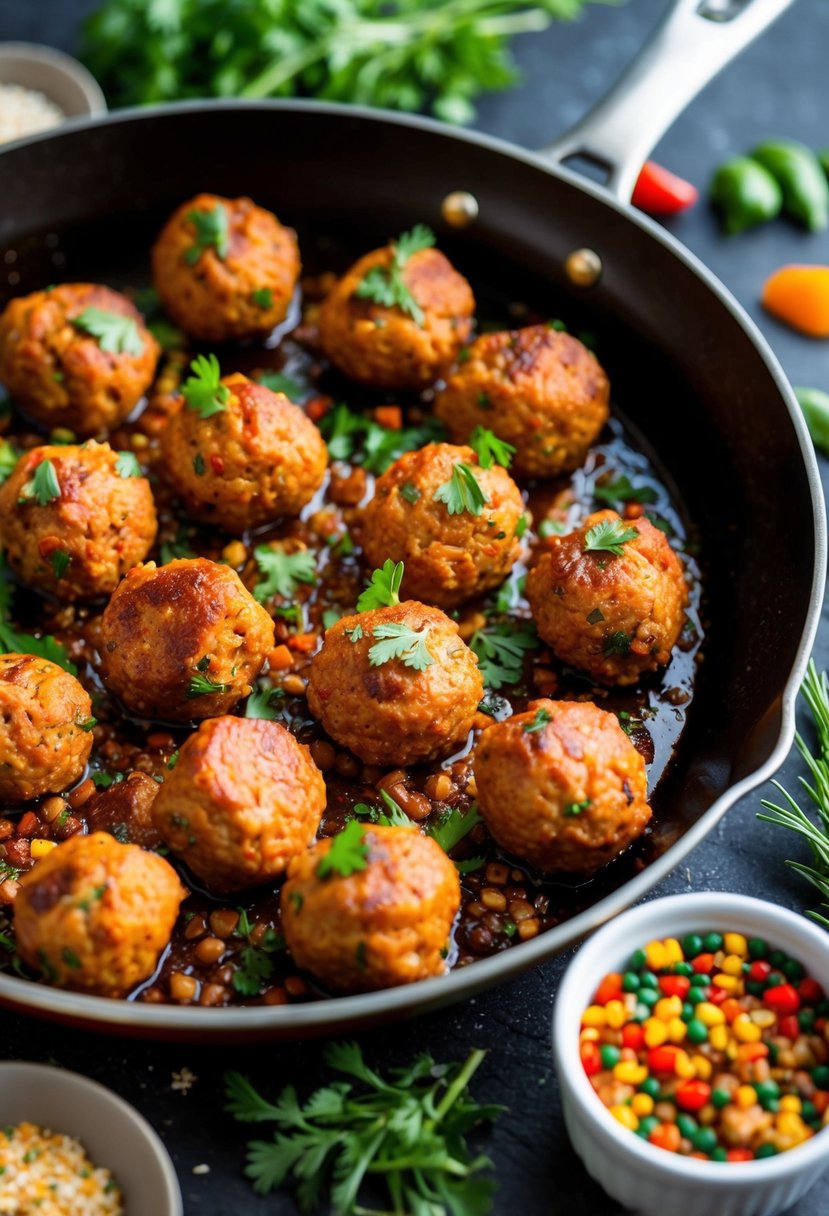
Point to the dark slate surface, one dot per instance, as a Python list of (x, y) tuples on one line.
[(779, 86)]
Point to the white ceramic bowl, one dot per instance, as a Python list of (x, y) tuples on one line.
[(62, 79), (637, 1174), (114, 1134)]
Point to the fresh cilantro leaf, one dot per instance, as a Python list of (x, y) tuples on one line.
[(167, 335), (575, 808), (491, 450), (351, 436), (198, 465), (396, 817), (282, 572), (462, 492), (204, 391), (386, 285), (46, 647), (116, 334), (278, 382), (211, 232), (551, 527), (60, 562), (450, 830), (542, 717), (609, 536), (347, 855), (384, 585), (127, 465), (262, 297), (617, 643), (8, 460), (501, 650), (201, 686), (103, 781), (409, 492), (622, 489), (253, 969), (264, 703), (394, 641), (43, 485), (355, 633), (176, 549)]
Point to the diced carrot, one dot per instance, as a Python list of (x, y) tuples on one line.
[(799, 296), (304, 643), (609, 989), (390, 416), (667, 1136), (280, 658), (317, 407)]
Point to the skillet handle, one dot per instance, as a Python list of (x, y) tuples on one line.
[(694, 40)]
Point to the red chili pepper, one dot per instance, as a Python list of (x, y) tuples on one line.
[(788, 1027), (591, 1059), (783, 999), (633, 1036), (662, 1059), (662, 193), (610, 989), (675, 985), (703, 964), (759, 971), (810, 991)]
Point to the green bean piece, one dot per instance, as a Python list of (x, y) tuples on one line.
[(745, 193), (801, 178), (815, 405)]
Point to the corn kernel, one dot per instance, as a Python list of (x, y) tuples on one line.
[(703, 1067), (657, 956), (40, 848), (763, 1018), (677, 1030), (673, 950), (731, 1049), (729, 982), (709, 1014), (735, 943), (745, 1030), (642, 1105), (630, 1073), (745, 1096), (708, 1114), (625, 1116), (732, 964), (594, 1015), (656, 1032), (719, 1037), (683, 1066), (791, 1102), (790, 1124), (589, 1035), (668, 1007), (616, 1014)]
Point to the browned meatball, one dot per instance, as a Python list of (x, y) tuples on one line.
[(540, 390), (617, 617), (45, 728), (258, 458), (387, 347), (183, 641), (387, 711), (225, 268), (73, 519), (448, 557), (384, 925), (561, 786), (124, 809), (61, 373), (243, 799), (95, 915)]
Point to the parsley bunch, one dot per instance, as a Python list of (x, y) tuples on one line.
[(402, 54), (353, 436), (407, 1132), (385, 284)]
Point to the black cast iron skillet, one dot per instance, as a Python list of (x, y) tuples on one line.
[(687, 366)]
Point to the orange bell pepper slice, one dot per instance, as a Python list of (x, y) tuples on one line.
[(799, 296)]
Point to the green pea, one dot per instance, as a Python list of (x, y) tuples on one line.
[(809, 1111), (697, 1031), (720, 1098), (687, 1126), (793, 970), (765, 1150), (806, 1019), (767, 1089), (772, 1105), (777, 958), (609, 1055), (745, 193), (719, 1153), (687, 1012), (712, 942), (683, 969), (630, 982), (757, 947), (648, 996), (638, 959), (705, 1140), (815, 406), (800, 176), (692, 945), (642, 1012), (755, 987), (697, 995), (820, 1076), (647, 1124), (648, 980), (651, 1087)]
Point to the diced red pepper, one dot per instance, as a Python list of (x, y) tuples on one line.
[(759, 971), (717, 996), (610, 989), (693, 1095), (633, 1036), (662, 1059), (810, 991), (740, 1154), (675, 985), (789, 1027), (660, 192), (783, 999), (703, 964), (591, 1059)]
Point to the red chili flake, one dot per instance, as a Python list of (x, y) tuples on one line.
[(217, 464), (675, 985), (610, 989), (783, 999), (759, 971), (703, 964), (693, 1095)]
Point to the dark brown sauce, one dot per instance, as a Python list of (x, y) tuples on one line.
[(503, 902)]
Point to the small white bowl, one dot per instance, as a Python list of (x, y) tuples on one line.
[(62, 79), (639, 1175), (114, 1135)]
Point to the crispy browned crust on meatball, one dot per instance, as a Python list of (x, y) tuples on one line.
[(540, 390), (386, 925), (95, 915), (569, 794), (386, 348), (243, 799), (102, 522), (124, 810), (617, 618), (259, 458), (166, 627), (448, 558), (216, 298), (59, 374), (43, 746), (392, 714)]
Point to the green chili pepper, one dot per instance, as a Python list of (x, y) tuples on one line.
[(745, 193), (815, 405), (799, 173)]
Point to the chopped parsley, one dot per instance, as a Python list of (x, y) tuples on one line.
[(262, 297), (174, 550), (462, 492), (396, 816), (204, 391), (594, 617), (385, 284), (264, 703), (491, 450), (115, 333), (542, 717), (60, 561), (281, 573), (347, 855), (397, 641), (201, 684), (211, 232), (350, 435), (617, 643), (43, 485), (198, 464), (576, 808), (622, 489), (501, 650), (102, 781), (127, 465), (87, 724), (609, 536), (409, 492), (453, 826), (278, 382), (383, 588)]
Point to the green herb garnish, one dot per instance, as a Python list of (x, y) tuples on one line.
[(393, 641), (262, 297), (204, 391), (453, 826), (384, 585), (501, 650), (622, 489), (462, 492), (491, 450), (282, 572), (385, 284), (264, 703), (211, 233), (347, 855), (609, 536), (127, 465), (43, 486), (542, 717), (116, 334), (352, 436), (201, 685)]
